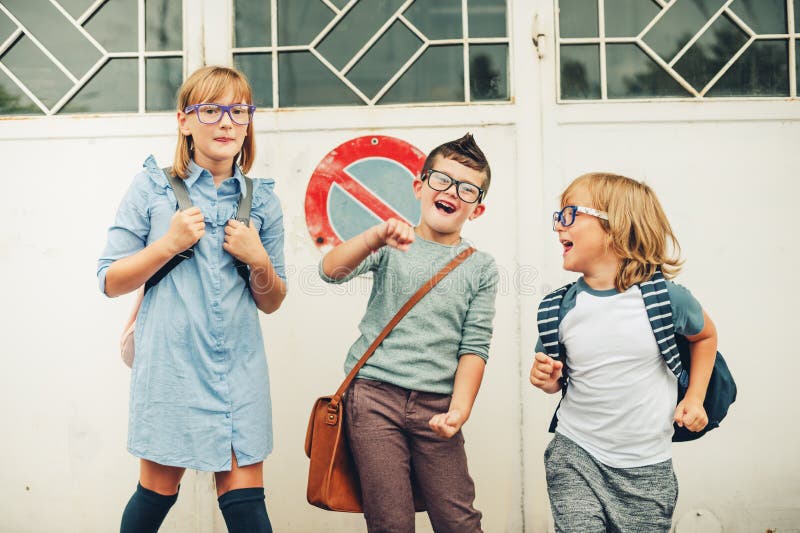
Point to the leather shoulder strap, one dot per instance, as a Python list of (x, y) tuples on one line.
[(457, 260)]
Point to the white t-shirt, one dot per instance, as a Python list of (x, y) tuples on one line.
[(621, 398)]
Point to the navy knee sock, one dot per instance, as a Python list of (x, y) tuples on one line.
[(244, 511), (145, 511)]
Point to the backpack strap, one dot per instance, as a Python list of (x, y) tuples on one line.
[(659, 310), (548, 319), (184, 203), (243, 216)]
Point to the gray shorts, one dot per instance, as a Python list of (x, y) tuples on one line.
[(587, 496)]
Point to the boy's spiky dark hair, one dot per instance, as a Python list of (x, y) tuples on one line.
[(465, 151)]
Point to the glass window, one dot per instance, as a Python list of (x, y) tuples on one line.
[(580, 71), (577, 18), (676, 49), (371, 52), (66, 63)]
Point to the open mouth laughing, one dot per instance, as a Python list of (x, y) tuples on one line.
[(566, 244), (445, 206)]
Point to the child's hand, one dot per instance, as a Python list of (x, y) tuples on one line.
[(244, 243), (395, 233), (690, 414), (447, 424), (185, 229), (546, 372)]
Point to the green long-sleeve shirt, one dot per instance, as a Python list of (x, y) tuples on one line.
[(455, 318)]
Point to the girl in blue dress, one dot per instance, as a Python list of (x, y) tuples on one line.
[(199, 384)]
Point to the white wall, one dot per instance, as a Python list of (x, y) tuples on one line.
[(725, 172)]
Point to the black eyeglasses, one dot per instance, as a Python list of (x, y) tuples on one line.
[(467, 192), (212, 113), (566, 217)]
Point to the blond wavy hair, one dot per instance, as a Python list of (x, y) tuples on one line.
[(638, 230), (206, 85)]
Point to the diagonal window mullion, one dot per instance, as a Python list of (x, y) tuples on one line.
[(410, 25), (663, 64), (739, 22), (86, 35), (332, 24), (90, 11), (338, 74), (400, 72), (331, 6), (727, 65), (659, 16), (39, 45), (11, 40), (377, 35), (711, 20), (80, 84), (24, 88)]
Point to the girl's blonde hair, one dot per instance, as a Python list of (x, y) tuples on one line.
[(206, 85), (639, 232)]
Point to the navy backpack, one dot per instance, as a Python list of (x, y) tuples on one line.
[(721, 392)]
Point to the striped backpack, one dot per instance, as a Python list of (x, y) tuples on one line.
[(721, 392)]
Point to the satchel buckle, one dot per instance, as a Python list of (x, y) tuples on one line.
[(332, 417)]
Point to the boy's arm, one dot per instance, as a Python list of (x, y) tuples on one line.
[(469, 375), (703, 348), (344, 258)]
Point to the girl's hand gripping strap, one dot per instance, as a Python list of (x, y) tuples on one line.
[(548, 319), (457, 260)]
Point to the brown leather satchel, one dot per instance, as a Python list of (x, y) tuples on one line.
[(332, 477)]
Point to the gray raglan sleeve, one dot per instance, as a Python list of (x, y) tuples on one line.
[(687, 313), (476, 332)]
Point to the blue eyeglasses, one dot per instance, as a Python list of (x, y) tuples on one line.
[(566, 217), (240, 114)]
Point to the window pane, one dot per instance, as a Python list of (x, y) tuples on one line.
[(252, 23), (580, 72), (711, 52), (258, 69), (796, 16), (75, 7), (488, 72), (487, 18), (35, 70), (95, 96), (299, 21), (437, 76), (163, 25), (626, 18), (13, 101), (163, 76), (679, 25), (384, 59), (304, 81), (6, 27), (577, 18), (111, 26), (632, 74), (340, 3), (763, 16), (437, 19), (58, 35), (355, 29), (761, 71)]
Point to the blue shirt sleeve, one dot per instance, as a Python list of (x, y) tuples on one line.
[(131, 227), (267, 206), (687, 313)]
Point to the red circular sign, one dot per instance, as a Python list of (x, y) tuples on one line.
[(360, 183)]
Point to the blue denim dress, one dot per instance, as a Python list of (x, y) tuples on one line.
[(199, 383)]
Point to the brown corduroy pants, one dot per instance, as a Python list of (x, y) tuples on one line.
[(391, 442)]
